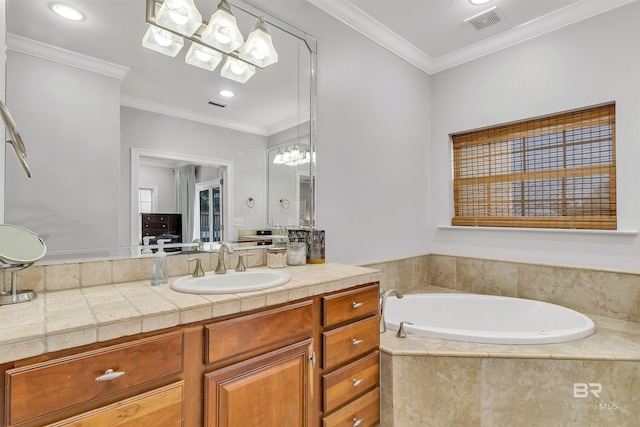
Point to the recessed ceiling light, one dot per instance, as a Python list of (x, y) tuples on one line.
[(227, 93), (479, 1), (67, 12)]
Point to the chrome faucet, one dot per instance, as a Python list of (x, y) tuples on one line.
[(224, 246), (383, 301)]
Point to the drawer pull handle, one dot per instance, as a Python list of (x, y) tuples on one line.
[(357, 304), (356, 342), (356, 382), (109, 375), (357, 422)]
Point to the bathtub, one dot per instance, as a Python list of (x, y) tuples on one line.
[(486, 319)]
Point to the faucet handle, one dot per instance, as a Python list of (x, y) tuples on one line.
[(401, 333), (241, 266), (198, 271)]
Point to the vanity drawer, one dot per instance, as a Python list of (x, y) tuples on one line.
[(364, 412), (349, 382), (68, 381), (159, 407), (348, 342), (269, 329), (350, 305)]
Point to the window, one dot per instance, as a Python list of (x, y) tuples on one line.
[(553, 172)]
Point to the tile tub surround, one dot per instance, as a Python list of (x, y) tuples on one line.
[(434, 382), (592, 292), (77, 316)]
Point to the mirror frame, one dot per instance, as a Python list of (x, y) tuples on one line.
[(74, 255)]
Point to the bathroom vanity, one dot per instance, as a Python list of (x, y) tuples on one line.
[(309, 361)]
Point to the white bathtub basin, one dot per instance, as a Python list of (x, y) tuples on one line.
[(486, 319), (232, 281)]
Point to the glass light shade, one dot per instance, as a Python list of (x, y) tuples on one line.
[(277, 160), (259, 49), (222, 31), (286, 156), (162, 41), (180, 16), (237, 70), (295, 153), (203, 57)]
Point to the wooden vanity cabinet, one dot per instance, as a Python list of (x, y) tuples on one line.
[(98, 380), (350, 358), (262, 369), (307, 363)]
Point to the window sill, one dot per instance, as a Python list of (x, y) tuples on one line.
[(541, 230)]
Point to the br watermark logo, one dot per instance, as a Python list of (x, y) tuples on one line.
[(584, 390), (589, 391)]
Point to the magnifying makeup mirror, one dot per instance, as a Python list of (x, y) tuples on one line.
[(15, 140), (19, 249)]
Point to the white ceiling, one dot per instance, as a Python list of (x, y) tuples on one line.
[(432, 34)]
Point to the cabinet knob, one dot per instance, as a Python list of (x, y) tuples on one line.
[(356, 342), (357, 422), (356, 382), (357, 304), (109, 375)]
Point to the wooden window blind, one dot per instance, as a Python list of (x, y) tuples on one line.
[(553, 172)]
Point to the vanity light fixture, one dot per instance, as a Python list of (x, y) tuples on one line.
[(259, 48), (203, 57), (234, 69), (162, 41), (67, 12), (180, 16), (172, 20), (222, 31)]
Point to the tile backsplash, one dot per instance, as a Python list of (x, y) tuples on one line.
[(56, 277), (603, 293)]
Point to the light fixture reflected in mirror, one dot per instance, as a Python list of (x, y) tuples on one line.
[(292, 156), (171, 18), (162, 41)]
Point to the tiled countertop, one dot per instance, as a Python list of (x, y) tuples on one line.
[(84, 315), (613, 340)]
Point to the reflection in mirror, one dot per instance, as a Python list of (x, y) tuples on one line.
[(289, 186), (179, 198), (87, 96)]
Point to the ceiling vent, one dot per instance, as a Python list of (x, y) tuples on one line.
[(485, 19), (216, 103)]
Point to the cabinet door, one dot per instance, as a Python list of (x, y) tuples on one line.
[(264, 391)]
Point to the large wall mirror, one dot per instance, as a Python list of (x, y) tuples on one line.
[(107, 123)]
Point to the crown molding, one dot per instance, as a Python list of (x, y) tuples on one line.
[(357, 19), (63, 56), (167, 110)]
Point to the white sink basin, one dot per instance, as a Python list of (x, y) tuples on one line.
[(232, 281)]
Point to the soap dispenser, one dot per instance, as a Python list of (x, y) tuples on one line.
[(159, 274)]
